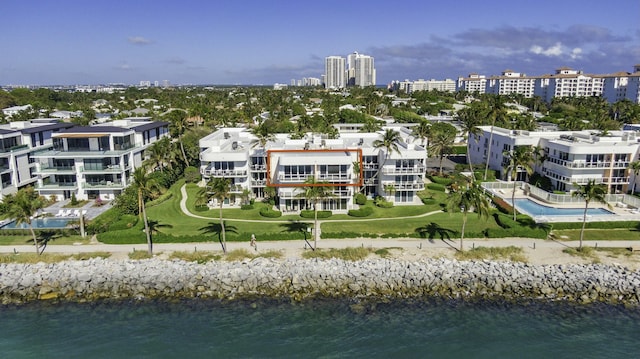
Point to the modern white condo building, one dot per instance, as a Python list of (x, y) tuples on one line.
[(97, 161), (19, 141), (364, 71), (569, 157), (334, 70), (349, 163)]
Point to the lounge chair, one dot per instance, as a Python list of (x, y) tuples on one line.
[(76, 213), (60, 213), (67, 213)]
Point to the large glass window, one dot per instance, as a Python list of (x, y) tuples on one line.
[(122, 143), (78, 144)]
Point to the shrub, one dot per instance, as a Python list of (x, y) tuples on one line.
[(246, 207), (382, 202), (428, 201), (360, 199), (597, 225), (309, 214), (362, 212), (504, 221), (164, 197), (191, 174), (502, 205), (436, 187), (270, 213), (74, 200), (441, 180)]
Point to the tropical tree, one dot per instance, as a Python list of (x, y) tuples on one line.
[(495, 113), (635, 169), (315, 191), (145, 186), (520, 158), (178, 119), (389, 142), (422, 132), (443, 136), (217, 188), (467, 199), (589, 192), (22, 207), (263, 135), (470, 119)]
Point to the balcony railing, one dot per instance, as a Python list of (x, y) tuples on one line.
[(226, 173), (258, 167), (618, 180), (418, 186), (258, 183), (370, 166), (585, 164), (58, 185), (14, 148), (403, 170), (57, 169), (334, 177), (104, 169), (104, 184)]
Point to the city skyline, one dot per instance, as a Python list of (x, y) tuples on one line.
[(253, 42)]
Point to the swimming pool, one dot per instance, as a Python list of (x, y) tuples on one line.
[(535, 209), (40, 223)]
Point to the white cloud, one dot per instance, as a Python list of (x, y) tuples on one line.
[(555, 50), (139, 40), (576, 53)]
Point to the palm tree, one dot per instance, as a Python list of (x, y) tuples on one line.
[(179, 121), (389, 142), (443, 136), (422, 131), (495, 114), (315, 191), (589, 192), (465, 200), (635, 169), (263, 135), (518, 159), (469, 121), (217, 188), (145, 186), (159, 153), (22, 207)]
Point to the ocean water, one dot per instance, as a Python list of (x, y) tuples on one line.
[(318, 329)]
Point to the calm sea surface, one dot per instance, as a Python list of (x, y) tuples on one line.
[(319, 329)]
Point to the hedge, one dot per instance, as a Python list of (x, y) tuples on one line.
[(436, 187), (441, 180), (596, 225), (164, 197), (269, 213), (310, 214), (502, 205), (362, 212)]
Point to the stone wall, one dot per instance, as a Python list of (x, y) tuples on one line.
[(96, 279)]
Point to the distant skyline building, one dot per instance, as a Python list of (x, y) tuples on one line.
[(365, 71), (334, 70)]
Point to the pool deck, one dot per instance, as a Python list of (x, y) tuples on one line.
[(620, 213)]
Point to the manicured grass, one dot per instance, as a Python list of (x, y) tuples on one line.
[(510, 253), (622, 234), (28, 240), (349, 253)]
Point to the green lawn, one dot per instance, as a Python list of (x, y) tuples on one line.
[(16, 240)]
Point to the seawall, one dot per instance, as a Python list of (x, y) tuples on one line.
[(96, 279)]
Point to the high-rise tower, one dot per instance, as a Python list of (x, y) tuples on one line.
[(335, 75)]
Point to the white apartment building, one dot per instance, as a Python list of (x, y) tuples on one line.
[(365, 71), (349, 163), (19, 141), (511, 82), (407, 86), (567, 82), (95, 161), (623, 85), (334, 70), (473, 83), (571, 157), (14, 110)]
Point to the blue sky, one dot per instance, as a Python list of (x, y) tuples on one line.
[(268, 41)]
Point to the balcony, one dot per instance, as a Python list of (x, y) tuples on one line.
[(616, 180), (258, 183), (409, 186), (336, 177), (57, 169), (225, 173), (104, 185), (415, 170), (104, 169), (259, 168), (14, 148), (370, 166), (588, 165), (58, 185)]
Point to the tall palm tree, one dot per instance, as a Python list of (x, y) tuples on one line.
[(159, 153), (218, 188), (519, 159), (263, 135), (590, 192), (22, 207), (389, 142), (469, 121), (465, 199), (443, 136), (495, 113), (179, 121), (635, 169), (422, 131), (146, 186), (315, 191)]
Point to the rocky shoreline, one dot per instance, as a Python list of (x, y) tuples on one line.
[(300, 279)]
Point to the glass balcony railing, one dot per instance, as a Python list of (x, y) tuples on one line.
[(103, 184), (58, 185), (56, 169)]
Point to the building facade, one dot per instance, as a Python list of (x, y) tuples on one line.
[(349, 164), (97, 161), (19, 142), (334, 72), (567, 158)]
